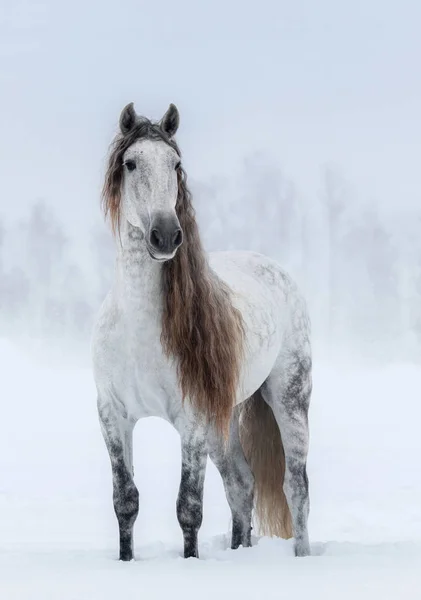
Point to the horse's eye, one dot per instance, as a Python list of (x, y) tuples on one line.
[(178, 165), (130, 165)]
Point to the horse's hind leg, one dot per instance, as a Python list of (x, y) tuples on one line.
[(288, 391), (118, 436), (238, 481)]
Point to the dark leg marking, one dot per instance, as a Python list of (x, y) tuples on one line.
[(118, 438), (126, 506), (190, 496)]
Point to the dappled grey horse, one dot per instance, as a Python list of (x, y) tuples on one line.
[(216, 345)]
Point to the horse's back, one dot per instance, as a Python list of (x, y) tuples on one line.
[(257, 281)]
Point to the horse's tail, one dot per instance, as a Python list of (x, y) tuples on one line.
[(264, 451)]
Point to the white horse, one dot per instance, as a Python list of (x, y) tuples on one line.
[(218, 346)]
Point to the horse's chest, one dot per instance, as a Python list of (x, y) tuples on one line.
[(150, 379)]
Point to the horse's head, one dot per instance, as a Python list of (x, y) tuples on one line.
[(145, 166)]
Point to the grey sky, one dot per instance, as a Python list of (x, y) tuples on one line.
[(309, 82)]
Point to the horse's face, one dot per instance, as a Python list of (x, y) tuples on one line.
[(150, 188)]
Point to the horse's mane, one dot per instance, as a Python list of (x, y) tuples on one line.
[(201, 328)]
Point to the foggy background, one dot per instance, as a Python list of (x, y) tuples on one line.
[(300, 131)]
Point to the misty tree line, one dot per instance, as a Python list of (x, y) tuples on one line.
[(360, 270), (359, 267)]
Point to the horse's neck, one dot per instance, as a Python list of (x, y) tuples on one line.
[(138, 277)]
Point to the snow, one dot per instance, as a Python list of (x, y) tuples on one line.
[(58, 532)]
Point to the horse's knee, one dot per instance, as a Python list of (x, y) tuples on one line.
[(189, 510), (126, 503)]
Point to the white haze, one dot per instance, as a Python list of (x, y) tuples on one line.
[(300, 131), (301, 136)]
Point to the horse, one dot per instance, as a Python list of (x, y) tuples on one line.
[(216, 344)]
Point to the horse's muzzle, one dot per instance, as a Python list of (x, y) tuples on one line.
[(165, 237)]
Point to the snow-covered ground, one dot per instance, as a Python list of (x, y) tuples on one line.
[(58, 533)]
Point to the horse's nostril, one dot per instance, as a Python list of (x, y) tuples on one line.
[(156, 239), (178, 238)]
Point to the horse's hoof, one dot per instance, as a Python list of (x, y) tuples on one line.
[(301, 551), (191, 554), (126, 557)]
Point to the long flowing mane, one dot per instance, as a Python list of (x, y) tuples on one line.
[(201, 329)]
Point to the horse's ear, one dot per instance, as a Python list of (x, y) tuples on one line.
[(128, 118), (170, 121)]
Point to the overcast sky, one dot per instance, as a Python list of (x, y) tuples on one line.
[(307, 81)]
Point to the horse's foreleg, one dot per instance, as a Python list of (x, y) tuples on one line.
[(238, 482), (190, 496), (118, 436), (289, 397)]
